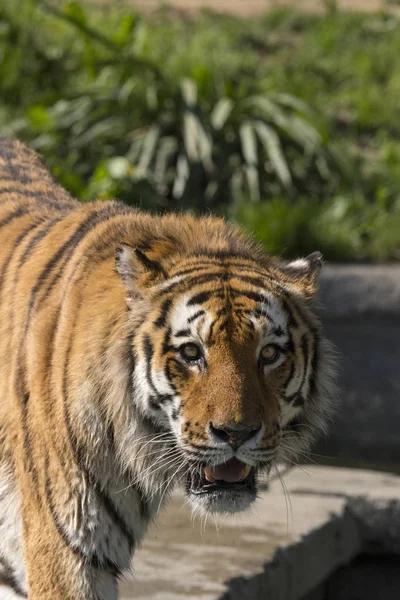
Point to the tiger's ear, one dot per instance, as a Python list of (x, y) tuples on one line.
[(303, 273), (138, 267)]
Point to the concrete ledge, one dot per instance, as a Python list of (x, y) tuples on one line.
[(280, 551)]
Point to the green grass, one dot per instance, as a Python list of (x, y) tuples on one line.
[(289, 124)]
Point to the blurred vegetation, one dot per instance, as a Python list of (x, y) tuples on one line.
[(288, 124)]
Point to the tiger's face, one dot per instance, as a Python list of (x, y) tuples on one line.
[(232, 363)]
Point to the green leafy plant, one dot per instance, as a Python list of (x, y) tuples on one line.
[(200, 159), (179, 143), (288, 124)]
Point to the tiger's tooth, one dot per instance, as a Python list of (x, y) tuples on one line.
[(246, 471), (208, 472)]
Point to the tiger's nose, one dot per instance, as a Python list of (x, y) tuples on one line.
[(234, 434)]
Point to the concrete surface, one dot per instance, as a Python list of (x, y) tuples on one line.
[(360, 309), (280, 551)]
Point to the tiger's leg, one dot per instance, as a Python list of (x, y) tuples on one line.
[(59, 559), (56, 572), (12, 569)]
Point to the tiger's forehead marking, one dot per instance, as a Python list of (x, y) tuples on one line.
[(182, 314), (275, 318), (266, 318), (231, 294), (203, 269)]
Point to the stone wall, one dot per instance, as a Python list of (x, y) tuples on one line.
[(360, 308)]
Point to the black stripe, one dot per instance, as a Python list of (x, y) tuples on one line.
[(102, 495), (167, 346), (15, 245), (200, 279), (24, 397), (295, 424), (297, 398), (18, 178), (230, 264), (7, 190), (148, 353), (152, 266), (196, 315), (222, 276), (104, 498), (292, 322), (301, 317), (306, 354), (256, 281), (7, 577), (258, 312), (211, 330), (167, 371), (314, 365), (49, 201), (182, 333), (27, 445), (278, 331), (143, 506), (63, 255), (198, 267), (289, 378), (93, 559), (66, 251), (16, 214), (164, 310), (130, 352), (48, 226), (42, 196), (100, 247), (200, 297), (254, 296), (223, 326), (153, 403)]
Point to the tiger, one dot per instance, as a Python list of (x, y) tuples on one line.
[(139, 352)]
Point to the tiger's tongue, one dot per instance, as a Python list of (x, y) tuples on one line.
[(232, 471)]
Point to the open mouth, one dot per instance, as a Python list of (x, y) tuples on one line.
[(233, 475)]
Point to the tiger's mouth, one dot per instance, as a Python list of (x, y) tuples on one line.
[(232, 476)]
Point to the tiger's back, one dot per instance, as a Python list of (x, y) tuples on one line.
[(30, 205), (41, 228), (30, 202), (136, 351)]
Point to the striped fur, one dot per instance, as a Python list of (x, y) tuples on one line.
[(99, 414)]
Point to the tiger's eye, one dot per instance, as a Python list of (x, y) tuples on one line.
[(190, 352), (269, 353)]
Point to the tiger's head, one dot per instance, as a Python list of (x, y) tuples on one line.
[(230, 360)]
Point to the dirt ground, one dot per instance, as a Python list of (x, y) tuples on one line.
[(247, 7)]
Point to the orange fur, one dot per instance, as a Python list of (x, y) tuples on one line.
[(73, 326)]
